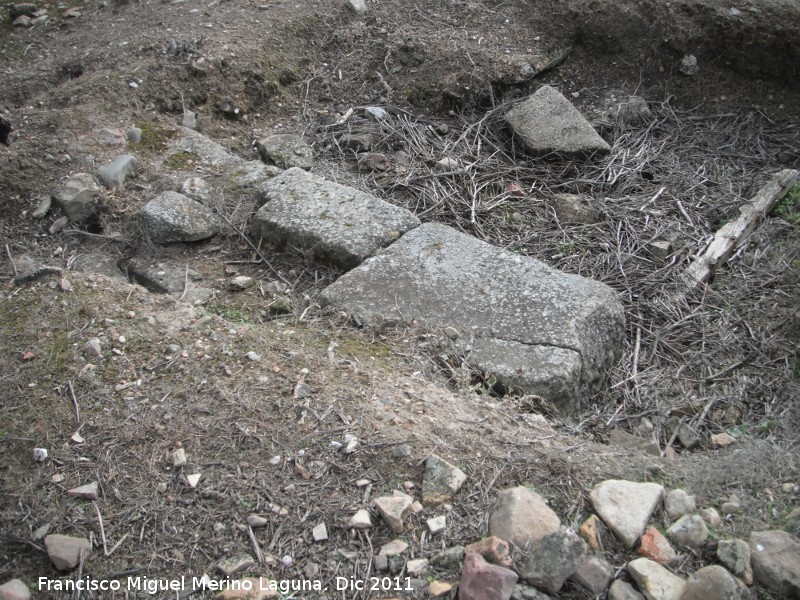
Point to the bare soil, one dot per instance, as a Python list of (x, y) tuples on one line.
[(725, 359)]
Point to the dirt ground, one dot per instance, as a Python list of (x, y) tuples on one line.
[(725, 359)]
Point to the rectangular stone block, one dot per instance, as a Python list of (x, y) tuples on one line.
[(337, 224)]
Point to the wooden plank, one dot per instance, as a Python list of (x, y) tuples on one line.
[(734, 233)]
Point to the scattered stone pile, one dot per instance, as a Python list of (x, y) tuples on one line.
[(528, 553)]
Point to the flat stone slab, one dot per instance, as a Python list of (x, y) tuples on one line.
[(547, 122), (337, 224), (533, 326), (167, 278)]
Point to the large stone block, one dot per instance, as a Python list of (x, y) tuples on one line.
[(336, 224), (534, 327)]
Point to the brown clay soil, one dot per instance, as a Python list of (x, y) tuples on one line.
[(725, 359)]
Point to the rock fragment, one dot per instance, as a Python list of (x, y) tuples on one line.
[(85, 492), (714, 583), (172, 217), (65, 551), (775, 557), (689, 530), (655, 582), (626, 506), (552, 560), (522, 517), (481, 580), (441, 481)]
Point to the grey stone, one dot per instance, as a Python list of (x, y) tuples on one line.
[(85, 492), (482, 581), (246, 177), (189, 120), (79, 197), (196, 188), (381, 563), (554, 559), (93, 348), (320, 533), (654, 581), (357, 6), (360, 520), (534, 327), (58, 225), (113, 175), (522, 517), (43, 208), (337, 224), (775, 557), (449, 558), (207, 151), (575, 208), (401, 451), (594, 574), (547, 122), (417, 566), (172, 217), (393, 509), (235, 564), (167, 278), (19, 9), (710, 516), (393, 548), (22, 21), (623, 439), (689, 530), (441, 481), (14, 589), (134, 135), (256, 521), (376, 113), (626, 506), (99, 262), (65, 551), (240, 283), (526, 592), (622, 590), (714, 583), (678, 503), (689, 65), (286, 150)]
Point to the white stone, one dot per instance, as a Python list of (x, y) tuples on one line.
[(654, 581), (320, 533), (179, 458), (626, 506), (417, 566), (679, 503), (86, 492), (193, 479), (437, 524), (360, 520)]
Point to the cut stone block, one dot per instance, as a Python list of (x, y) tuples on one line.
[(548, 123), (534, 327), (337, 224)]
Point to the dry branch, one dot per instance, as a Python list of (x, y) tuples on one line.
[(732, 234)]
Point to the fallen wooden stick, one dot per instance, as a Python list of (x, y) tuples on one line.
[(731, 235)]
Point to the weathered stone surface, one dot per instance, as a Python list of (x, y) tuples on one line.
[(393, 548), (337, 224), (85, 492), (14, 589), (617, 109), (393, 510), (441, 481), (172, 217), (527, 592), (689, 530), (532, 326), (481, 580), (360, 520), (623, 439), (79, 198), (622, 590), (553, 560), (547, 122), (595, 574), (678, 503), (320, 532), (439, 588), (735, 556), (656, 547), (205, 149), (286, 150), (574, 208), (113, 175), (775, 556), (417, 566), (99, 262), (654, 581), (166, 278), (65, 551), (710, 516), (449, 558), (493, 549), (235, 564), (714, 583), (626, 506), (522, 517)]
